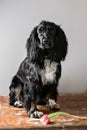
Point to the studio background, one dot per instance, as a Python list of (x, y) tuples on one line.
[(17, 19)]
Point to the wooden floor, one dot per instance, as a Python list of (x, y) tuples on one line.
[(16, 118)]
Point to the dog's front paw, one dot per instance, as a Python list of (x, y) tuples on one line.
[(18, 104), (36, 114), (52, 105)]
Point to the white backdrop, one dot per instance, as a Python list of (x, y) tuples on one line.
[(17, 19)]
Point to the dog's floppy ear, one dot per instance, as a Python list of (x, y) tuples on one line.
[(32, 40), (61, 43), (32, 45)]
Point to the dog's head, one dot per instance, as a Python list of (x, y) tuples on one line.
[(46, 33), (48, 36)]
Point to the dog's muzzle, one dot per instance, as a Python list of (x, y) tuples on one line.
[(46, 43)]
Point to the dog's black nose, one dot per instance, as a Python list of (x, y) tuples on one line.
[(44, 40)]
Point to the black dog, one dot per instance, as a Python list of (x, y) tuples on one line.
[(37, 78)]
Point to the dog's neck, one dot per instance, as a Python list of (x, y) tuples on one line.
[(51, 55)]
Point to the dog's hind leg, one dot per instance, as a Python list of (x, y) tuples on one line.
[(15, 94)]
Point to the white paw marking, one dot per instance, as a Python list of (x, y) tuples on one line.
[(36, 114), (18, 104), (52, 105), (52, 102)]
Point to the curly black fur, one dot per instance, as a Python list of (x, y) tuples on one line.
[(38, 75)]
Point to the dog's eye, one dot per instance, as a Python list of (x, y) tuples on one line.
[(50, 29), (41, 29)]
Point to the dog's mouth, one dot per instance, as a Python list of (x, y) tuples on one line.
[(46, 44)]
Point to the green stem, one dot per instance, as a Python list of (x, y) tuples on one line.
[(57, 114)]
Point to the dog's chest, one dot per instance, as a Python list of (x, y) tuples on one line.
[(48, 74)]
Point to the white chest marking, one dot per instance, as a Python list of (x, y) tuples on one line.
[(50, 69), (50, 76), (49, 73)]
